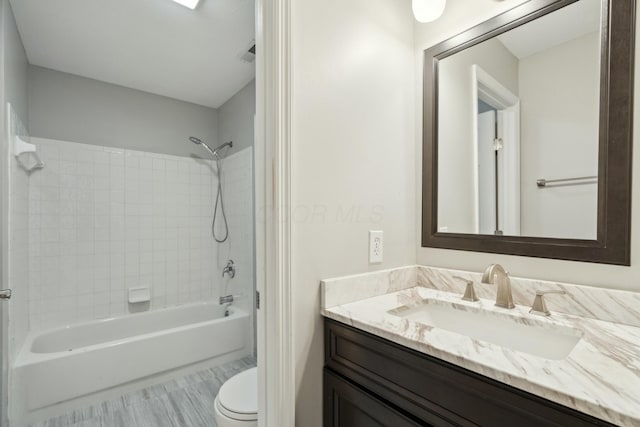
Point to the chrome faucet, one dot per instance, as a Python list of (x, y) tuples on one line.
[(230, 269), (495, 274)]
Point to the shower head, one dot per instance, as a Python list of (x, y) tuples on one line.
[(198, 141), (214, 152)]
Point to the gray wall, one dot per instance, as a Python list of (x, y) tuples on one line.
[(15, 67), (13, 88), (560, 138), (235, 118), (73, 108)]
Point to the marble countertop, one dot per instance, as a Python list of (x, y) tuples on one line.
[(600, 376)]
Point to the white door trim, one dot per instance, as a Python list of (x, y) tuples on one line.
[(488, 89), (276, 365), (510, 185)]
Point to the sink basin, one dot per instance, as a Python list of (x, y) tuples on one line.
[(528, 335)]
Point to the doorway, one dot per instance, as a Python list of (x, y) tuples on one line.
[(496, 147)]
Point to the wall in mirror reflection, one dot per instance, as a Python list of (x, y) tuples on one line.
[(515, 109)]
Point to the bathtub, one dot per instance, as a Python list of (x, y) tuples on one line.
[(57, 365)]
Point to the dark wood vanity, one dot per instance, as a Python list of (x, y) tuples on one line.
[(370, 381)]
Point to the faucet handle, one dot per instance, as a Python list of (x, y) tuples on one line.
[(230, 269), (470, 291), (539, 307)]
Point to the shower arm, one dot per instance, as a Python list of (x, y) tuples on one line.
[(217, 149), (206, 147), (214, 152)]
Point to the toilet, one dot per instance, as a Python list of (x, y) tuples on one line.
[(237, 402)]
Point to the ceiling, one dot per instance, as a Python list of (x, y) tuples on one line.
[(155, 46), (573, 21)]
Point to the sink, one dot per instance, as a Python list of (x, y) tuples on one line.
[(528, 335)]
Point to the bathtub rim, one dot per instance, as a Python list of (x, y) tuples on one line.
[(27, 357)]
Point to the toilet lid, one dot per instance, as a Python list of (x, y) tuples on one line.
[(238, 397)]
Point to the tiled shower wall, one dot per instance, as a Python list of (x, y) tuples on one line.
[(104, 220), (237, 179)]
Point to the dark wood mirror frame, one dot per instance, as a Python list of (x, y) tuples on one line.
[(615, 141)]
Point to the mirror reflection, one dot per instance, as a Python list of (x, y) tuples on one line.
[(518, 130)]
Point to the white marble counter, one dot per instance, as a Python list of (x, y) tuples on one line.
[(600, 377)]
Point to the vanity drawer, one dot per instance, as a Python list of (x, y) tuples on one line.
[(435, 391), (347, 405)]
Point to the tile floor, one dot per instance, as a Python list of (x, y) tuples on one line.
[(184, 402)]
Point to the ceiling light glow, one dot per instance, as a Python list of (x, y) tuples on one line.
[(191, 4), (427, 10)]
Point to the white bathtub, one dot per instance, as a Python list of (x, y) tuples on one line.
[(74, 361)]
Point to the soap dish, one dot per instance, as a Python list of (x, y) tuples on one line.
[(138, 295)]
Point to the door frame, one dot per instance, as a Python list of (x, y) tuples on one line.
[(276, 364), (488, 89)]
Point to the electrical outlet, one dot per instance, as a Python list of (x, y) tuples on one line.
[(376, 246)]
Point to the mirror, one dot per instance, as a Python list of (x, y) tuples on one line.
[(528, 112), (527, 133)]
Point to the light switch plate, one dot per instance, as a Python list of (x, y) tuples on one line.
[(376, 246)]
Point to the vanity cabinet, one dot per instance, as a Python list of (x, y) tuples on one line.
[(370, 381), (350, 405)]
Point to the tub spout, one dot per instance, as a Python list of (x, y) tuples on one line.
[(227, 299)]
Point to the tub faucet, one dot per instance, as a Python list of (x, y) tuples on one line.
[(230, 269), (496, 274)]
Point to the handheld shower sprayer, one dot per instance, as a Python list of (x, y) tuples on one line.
[(219, 200), (215, 152)]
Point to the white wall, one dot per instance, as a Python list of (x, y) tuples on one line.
[(456, 205), (559, 138), (459, 16), (104, 220), (67, 107), (352, 158)]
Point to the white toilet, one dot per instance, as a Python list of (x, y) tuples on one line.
[(237, 401)]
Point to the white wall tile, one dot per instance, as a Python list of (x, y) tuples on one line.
[(108, 220)]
